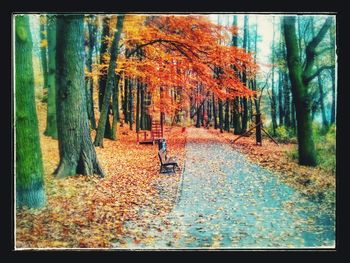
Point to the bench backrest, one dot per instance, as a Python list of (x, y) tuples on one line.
[(162, 156)]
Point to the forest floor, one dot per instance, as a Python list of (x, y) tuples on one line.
[(228, 201), (87, 211), (134, 198), (308, 180)]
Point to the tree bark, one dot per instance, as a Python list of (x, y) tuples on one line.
[(51, 120), (215, 113), (280, 98), (110, 83), (273, 94), (306, 146), (333, 113), (333, 96), (115, 106), (92, 28), (319, 83), (244, 80), (131, 103), (103, 75), (221, 117), (77, 153), (43, 48), (30, 190), (142, 105), (138, 105), (227, 116)]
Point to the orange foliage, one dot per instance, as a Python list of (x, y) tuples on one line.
[(182, 52)]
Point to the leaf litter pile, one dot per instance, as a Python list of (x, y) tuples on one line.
[(87, 211)]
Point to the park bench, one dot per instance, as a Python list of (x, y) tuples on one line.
[(166, 162)]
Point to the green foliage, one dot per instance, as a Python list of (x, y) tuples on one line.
[(283, 134)]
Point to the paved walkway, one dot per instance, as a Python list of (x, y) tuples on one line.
[(228, 202)]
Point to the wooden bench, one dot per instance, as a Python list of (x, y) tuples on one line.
[(166, 162)]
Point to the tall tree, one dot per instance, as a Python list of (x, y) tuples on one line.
[(221, 116), (43, 48), (51, 123), (244, 77), (30, 190), (92, 30), (215, 113), (236, 118), (300, 79), (77, 153), (103, 72), (319, 83), (110, 83), (273, 92), (332, 72)]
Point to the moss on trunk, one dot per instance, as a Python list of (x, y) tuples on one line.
[(29, 169)]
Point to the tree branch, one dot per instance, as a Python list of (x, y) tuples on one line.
[(311, 47), (309, 78)]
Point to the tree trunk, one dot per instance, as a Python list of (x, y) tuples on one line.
[(110, 83), (43, 48), (77, 153), (115, 105), (131, 103), (90, 85), (30, 190), (227, 116), (142, 104), (333, 96), (333, 113), (244, 79), (215, 113), (237, 117), (103, 53), (125, 101), (221, 117), (138, 105), (306, 146), (287, 104), (51, 123), (319, 83), (273, 95), (280, 98), (103, 75), (236, 112)]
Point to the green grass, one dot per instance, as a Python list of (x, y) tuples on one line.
[(325, 141)]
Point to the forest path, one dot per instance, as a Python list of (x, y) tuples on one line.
[(226, 201)]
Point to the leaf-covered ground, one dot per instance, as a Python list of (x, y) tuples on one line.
[(86, 211), (308, 180), (220, 200), (228, 201)]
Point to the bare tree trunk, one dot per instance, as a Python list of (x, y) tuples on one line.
[(77, 153), (110, 83)]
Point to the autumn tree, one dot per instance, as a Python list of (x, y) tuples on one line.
[(29, 168), (185, 52), (300, 77), (77, 153)]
